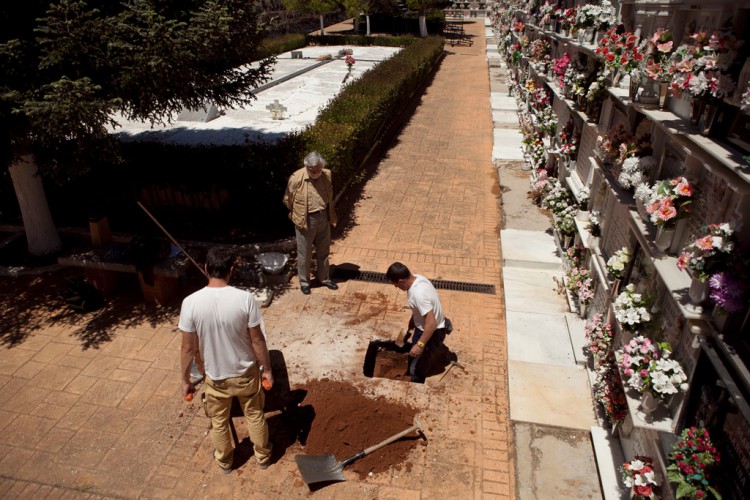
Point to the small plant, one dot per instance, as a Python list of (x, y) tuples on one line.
[(691, 463)]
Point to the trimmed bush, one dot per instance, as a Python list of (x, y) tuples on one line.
[(281, 44)]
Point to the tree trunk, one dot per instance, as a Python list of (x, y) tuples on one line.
[(41, 234), (367, 16), (422, 25), (322, 25)]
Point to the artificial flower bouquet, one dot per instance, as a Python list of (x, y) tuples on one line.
[(574, 278), (599, 338), (620, 51), (565, 220), (618, 262), (540, 186), (560, 66), (567, 17), (745, 101), (609, 144), (649, 368), (729, 292), (597, 90), (702, 66), (634, 171), (609, 392), (538, 49), (638, 475), (671, 200), (691, 463), (708, 254), (537, 153), (547, 121), (574, 256), (558, 199), (569, 140), (586, 16), (631, 309), (657, 52), (586, 291), (594, 224), (545, 12)]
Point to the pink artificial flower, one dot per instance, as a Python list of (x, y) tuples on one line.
[(684, 188), (666, 211), (665, 47), (705, 243), (683, 260)]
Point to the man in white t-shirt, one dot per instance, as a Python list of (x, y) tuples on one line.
[(225, 323), (427, 317)]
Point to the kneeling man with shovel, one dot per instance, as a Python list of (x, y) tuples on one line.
[(427, 317)]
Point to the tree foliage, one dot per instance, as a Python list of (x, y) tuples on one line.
[(71, 68)]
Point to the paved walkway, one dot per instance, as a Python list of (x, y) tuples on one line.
[(91, 404)]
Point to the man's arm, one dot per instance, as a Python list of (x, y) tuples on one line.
[(430, 325), (187, 353), (261, 351)]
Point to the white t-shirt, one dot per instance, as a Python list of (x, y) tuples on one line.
[(221, 316), (423, 298)]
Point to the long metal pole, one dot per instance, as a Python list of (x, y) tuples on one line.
[(172, 239)]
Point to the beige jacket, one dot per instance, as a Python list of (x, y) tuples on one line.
[(295, 197)]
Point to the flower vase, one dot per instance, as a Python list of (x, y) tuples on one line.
[(564, 32), (567, 240), (616, 287), (617, 77), (635, 83), (649, 405), (582, 309), (664, 237), (698, 291), (640, 206), (589, 35), (696, 111), (708, 117), (663, 92)]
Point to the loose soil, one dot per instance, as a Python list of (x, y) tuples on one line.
[(346, 422)]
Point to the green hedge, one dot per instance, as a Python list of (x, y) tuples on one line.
[(279, 45), (351, 123)]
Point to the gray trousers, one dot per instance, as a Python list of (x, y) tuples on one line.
[(318, 233)]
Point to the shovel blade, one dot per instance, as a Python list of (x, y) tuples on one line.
[(319, 468)]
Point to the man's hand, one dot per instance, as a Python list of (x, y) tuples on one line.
[(187, 391), (416, 351), (267, 380)]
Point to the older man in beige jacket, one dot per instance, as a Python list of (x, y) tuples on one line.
[(309, 198)]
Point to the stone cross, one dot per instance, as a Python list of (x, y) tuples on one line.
[(276, 109)]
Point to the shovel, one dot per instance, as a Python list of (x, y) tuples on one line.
[(325, 468)]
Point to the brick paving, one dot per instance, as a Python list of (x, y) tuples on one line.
[(107, 420)]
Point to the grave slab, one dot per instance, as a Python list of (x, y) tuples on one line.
[(500, 101), (532, 291), (505, 118), (507, 145), (539, 338), (577, 331), (554, 463), (550, 395), (531, 249)]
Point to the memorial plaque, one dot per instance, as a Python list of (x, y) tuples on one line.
[(670, 318), (585, 151), (617, 234), (711, 204)]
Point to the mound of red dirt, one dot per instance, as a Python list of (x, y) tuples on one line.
[(346, 422)]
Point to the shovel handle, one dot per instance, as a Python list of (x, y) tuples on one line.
[(385, 442)]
